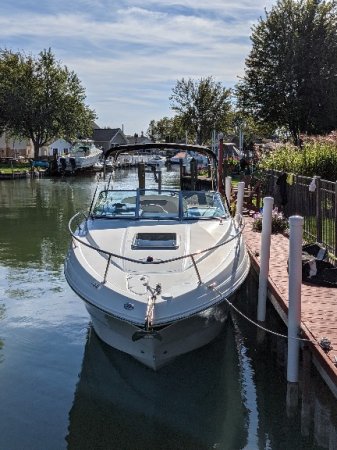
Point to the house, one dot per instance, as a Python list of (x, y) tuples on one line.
[(106, 138), (135, 139), (15, 147), (11, 146), (57, 148)]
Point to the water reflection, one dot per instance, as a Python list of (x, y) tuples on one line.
[(33, 221), (35, 213), (311, 425), (194, 403)]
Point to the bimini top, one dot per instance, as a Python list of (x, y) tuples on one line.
[(115, 151)]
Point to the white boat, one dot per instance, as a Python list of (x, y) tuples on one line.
[(156, 161), (202, 160), (124, 160), (155, 268), (98, 166), (184, 156), (82, 155), (109, 165)]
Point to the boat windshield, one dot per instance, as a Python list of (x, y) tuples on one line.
[(116, 204), (154, 204), (159, 204), (201, 204), (80, 147)]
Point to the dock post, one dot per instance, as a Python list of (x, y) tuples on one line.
[(239, 199), (306, 408), (264, 257), (294, 287), (141, 175), (104, 168), (228, 189), (194, 174), (181, 172)]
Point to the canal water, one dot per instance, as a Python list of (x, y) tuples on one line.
[(62, 388)]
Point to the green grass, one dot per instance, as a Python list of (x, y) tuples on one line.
[(7, 168)]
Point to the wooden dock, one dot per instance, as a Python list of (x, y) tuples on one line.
[(318, 306)]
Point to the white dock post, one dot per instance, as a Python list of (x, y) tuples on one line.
[(228, 189), (239, 199), (264, 257), (294, 285)]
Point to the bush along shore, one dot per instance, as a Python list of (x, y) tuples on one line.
[(315, 156)]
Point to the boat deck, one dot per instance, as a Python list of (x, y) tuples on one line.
[(318, 304)]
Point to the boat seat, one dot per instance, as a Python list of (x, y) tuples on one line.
[(153, 208), (157, 211), (200, 211)]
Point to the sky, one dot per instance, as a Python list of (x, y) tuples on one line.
[(129, 54)]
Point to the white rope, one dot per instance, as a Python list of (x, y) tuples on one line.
[(315, 342)]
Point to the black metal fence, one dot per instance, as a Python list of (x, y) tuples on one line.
[(312, 198)]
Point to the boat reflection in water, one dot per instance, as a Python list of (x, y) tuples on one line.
[(193, 403)]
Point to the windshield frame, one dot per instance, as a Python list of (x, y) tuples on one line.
[(154, 204)]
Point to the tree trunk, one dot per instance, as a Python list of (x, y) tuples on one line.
[(36, 150)]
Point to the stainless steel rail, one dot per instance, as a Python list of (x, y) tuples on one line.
[(239, 229)]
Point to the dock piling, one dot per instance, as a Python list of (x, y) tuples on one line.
[(264, 257), (239, 199), (228, 189), (141, 175), (294, 285)]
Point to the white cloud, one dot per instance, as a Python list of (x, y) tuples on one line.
[(129, 54)]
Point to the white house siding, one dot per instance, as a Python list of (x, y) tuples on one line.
[(61, 146)]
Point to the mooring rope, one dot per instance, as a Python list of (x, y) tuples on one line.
[(267, 330)]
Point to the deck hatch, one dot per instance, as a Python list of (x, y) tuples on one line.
[(155, 241)]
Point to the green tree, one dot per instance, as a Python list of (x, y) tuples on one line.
[(252, 129), (166, 129), (202, 105), (290, 76), (41, 100)]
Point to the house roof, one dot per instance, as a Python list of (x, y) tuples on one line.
[(136, 139), (104, 134)]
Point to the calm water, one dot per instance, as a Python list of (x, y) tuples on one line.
[(61, 388)]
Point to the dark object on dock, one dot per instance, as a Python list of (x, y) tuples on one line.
[(39, 163), (316, 250), (315, 267)]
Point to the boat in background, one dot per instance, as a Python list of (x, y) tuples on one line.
[(184, 156), (109, 165), (157, 161), (155, 268), (82, 155), (98, 166), (202, 160)]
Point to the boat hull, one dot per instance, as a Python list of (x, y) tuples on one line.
[(78, 163), (159, 347), (149, 288)]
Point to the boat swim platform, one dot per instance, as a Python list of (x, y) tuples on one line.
[(318, 303)]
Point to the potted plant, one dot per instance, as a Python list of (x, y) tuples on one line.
[(279, 224)]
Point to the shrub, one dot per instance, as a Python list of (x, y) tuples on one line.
[(318, 156)]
